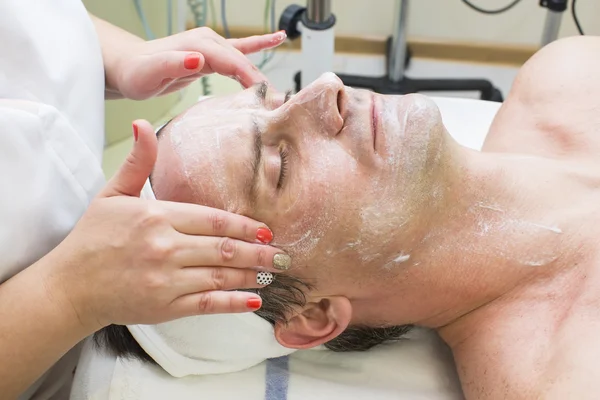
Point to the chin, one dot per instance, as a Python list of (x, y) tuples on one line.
[(411, 133)]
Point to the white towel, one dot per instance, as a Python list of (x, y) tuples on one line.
[(420, 367), (208, 344), (147, 192)]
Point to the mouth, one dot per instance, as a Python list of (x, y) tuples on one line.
[(374, 121)]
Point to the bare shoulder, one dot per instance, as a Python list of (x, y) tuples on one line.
[(566, 67), (542, 349), (553, 107), (530, 364)]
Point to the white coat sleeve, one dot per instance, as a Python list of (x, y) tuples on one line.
[(47, 177)]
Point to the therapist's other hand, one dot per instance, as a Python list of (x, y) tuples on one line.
[(168, 64), (136, 261)]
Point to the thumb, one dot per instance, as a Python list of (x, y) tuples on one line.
[(131, 176)]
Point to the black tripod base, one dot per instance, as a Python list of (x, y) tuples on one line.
[(406, 85), (384, 85)]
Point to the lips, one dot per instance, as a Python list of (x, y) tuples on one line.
[(374, 121)]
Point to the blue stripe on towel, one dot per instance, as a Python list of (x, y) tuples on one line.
[(277, 376)]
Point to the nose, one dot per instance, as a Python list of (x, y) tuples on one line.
[(327, 79), (323, 99)]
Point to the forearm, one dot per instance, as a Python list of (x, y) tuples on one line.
[(114, 42), (38, 326)]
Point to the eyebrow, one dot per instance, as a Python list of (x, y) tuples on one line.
[(256, 159), (261, 92)]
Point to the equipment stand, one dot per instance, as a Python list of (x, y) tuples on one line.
[(556, 8), (394, 82)]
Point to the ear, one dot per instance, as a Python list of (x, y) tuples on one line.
[(318, 323)]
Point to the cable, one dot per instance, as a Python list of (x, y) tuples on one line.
[(273, 16), (269, 6), (213, 17), (169, 17), (498, 11), (204, 81), (142, 16), (204, 12), (224, 19), (206, 90), (198, 11), (272, 53), (574, 12), (265, 29)]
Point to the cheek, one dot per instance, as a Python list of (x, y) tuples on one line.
[(307, 219), (322, 200)]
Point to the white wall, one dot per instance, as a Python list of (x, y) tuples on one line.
[(448, 20)]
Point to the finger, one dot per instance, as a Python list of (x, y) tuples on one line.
[(171, 65), (131, 177), (174, 87), (228, 252), (226, 60), (216, 302), (193, 219), (179, 84), (204, 279), (253, 44)]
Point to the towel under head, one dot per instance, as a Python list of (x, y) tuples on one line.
[(208, 344)]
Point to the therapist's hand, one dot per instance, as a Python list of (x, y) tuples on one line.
[(168, 64), (135, 261)]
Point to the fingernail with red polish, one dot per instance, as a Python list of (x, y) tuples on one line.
[(191, 61), (264, 235), (135, 131), (254, 304)]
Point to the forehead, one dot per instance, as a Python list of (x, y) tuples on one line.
[(213, 140), (243, 99)]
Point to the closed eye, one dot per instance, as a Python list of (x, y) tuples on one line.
[(284, 154)]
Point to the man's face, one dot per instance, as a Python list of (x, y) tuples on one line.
[(341, 176)]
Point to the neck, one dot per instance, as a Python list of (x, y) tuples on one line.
[(501, 223)]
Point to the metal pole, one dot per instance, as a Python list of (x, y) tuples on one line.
[(318, 41), (551, 27), (318, 10), (398, 47), (182, 10)]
